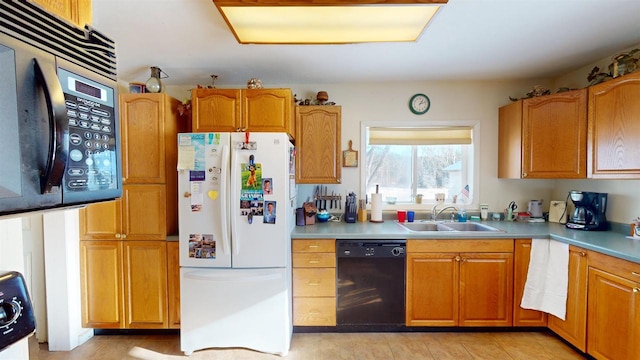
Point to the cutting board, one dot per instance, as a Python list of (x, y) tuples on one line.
[(557, 211)]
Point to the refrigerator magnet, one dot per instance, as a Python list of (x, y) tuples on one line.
[(251, 176), (269, 212), (267, 186)]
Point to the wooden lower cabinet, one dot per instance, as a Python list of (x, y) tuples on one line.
[(314, 282), (574, 327), (613, 309), (523, 317), (124, 284), (459, 283)]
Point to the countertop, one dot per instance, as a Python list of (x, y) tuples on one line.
[(610, 242)]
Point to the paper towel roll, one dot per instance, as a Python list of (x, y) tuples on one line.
[(376, 207)]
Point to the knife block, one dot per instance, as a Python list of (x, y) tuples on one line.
[(351, 209)]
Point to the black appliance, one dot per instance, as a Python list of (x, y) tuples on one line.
[(590, 209), (59, 144), (16, 314), (371, 284)]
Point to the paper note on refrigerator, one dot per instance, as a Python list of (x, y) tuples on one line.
[(186, 157)]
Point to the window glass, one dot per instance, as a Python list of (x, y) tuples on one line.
[(406, 171)]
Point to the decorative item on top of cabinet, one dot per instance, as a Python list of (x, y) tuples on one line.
[(231, 110), (613, 147), (544, 137), (318, 144)]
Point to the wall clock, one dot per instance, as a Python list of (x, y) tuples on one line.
[(419, 104)]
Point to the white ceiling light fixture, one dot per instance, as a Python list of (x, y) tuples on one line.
[(327, 22)]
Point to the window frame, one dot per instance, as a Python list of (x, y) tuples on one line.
[(427, 204)]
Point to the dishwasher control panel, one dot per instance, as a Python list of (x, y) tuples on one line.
[(371, 248)]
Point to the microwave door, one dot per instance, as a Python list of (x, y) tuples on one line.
[(25, 123)]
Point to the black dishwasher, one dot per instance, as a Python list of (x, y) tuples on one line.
[(371, 279)]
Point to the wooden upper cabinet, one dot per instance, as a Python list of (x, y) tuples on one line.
[(215, 110), (544, 137), (77, 12), (318, 143), (149, 131), (614, 128), (230, 110)]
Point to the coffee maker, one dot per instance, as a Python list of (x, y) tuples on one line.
[(589, 213)]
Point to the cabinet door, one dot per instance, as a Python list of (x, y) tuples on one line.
[(613, 319), (267, 110), (318, 142), (554, 131), (614, 129), (486, 289), (143, 146), (216, 110), (510, 141), (101, 284), (77, 12), (101, 221), (145, 284), (144, 212), (524, 317), (173, 283), (432, 289), (574, 328)]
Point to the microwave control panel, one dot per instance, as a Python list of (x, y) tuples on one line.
[(91, 163)]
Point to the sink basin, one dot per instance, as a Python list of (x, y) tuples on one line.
[(469, 226), (444, 226), (421, 226)]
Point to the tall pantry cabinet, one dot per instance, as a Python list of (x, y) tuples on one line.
[(123, 248)]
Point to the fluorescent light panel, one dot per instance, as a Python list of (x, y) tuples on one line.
[(340, 24)]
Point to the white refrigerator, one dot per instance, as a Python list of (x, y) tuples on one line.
[(236, 194)]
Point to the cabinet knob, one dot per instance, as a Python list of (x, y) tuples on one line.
[(583, 254), (524, 174), (635, 273), (124, 236), (117, 236), (457, 258), (636, 290), (187, 194)]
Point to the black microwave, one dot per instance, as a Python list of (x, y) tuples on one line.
[(59, 137)]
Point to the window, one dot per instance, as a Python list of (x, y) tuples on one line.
[(407, 160)]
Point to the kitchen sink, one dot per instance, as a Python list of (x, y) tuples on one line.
[(421, 226), (444, 226)]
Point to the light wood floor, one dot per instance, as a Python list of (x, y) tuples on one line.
[(333, 346)]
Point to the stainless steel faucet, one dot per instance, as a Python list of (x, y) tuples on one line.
[(434, 214)]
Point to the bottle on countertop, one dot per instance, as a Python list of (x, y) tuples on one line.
[(462, 213)]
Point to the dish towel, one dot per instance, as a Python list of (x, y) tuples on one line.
[(547, 278)]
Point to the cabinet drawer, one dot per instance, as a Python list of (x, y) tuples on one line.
[(314, 245), (314, 282), (314, 311), (318, 260), (470, 246), (623, 268)]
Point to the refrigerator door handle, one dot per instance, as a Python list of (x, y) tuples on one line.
[(225, 200), (234, 194)]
